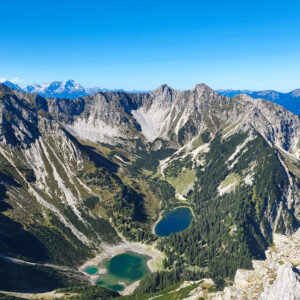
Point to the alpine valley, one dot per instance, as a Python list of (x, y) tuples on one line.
[(88, 178)]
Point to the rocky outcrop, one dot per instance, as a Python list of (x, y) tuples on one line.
[(276, 278), (40, 165), (286, 285)]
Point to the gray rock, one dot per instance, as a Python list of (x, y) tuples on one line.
[(286, 286)]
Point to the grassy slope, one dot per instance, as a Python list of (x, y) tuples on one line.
[(184, 180)]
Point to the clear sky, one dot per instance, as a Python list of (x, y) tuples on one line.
[(141, 44)]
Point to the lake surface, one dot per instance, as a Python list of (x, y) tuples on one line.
[(174, 221), (123, 270), (91, 270)]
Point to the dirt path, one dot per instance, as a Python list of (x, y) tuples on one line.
[(24, 262)]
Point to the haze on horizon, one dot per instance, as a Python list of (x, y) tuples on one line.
[(142, 44)]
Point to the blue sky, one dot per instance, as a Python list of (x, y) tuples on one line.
[(142, 44)]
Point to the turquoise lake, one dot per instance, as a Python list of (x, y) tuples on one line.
[(122, 270), (91, 270), (174, 221)]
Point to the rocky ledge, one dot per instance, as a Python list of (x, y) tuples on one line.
[(276, 278)]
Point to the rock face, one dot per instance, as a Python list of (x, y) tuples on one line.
[(286, 285), (177, 116), (71, 90), (276, 278), (167, 113), (43, 193), (57, 196)]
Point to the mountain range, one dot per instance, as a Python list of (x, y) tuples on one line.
[(81, 176), (71, 90), (290, 101), (60, 89)]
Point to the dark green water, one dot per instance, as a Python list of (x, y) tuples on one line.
[(128, 265), (123, 269), (174, 221), (91, 270)]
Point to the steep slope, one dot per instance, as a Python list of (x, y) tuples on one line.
[(275, 278), (240, 195), (12, 85), (176, 116), (57, 195), (104, 117), (183, 119), (237, 166)]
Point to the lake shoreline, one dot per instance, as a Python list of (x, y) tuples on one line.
[(154, 263), (169, 216), (160, 217)]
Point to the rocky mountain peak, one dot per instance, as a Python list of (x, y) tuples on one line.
[(202, 86), (70, 82), (12, 85), (162, 89), (4, 87), (163, 96), (243, 98), (202, 93), (296, 93)]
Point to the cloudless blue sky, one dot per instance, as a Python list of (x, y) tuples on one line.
[(141, 44)]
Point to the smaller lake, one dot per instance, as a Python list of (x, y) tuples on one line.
[(121, 270), (174, 221)]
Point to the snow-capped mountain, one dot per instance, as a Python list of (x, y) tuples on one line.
[(63, 89), (12, 85), (58, 89)]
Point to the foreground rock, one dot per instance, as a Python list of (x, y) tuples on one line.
[(286, 285), (276, 278)]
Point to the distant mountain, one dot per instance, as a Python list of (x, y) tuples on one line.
[(72, 90), (58, 89), (290, 101), (62, 89), (12, 85)]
